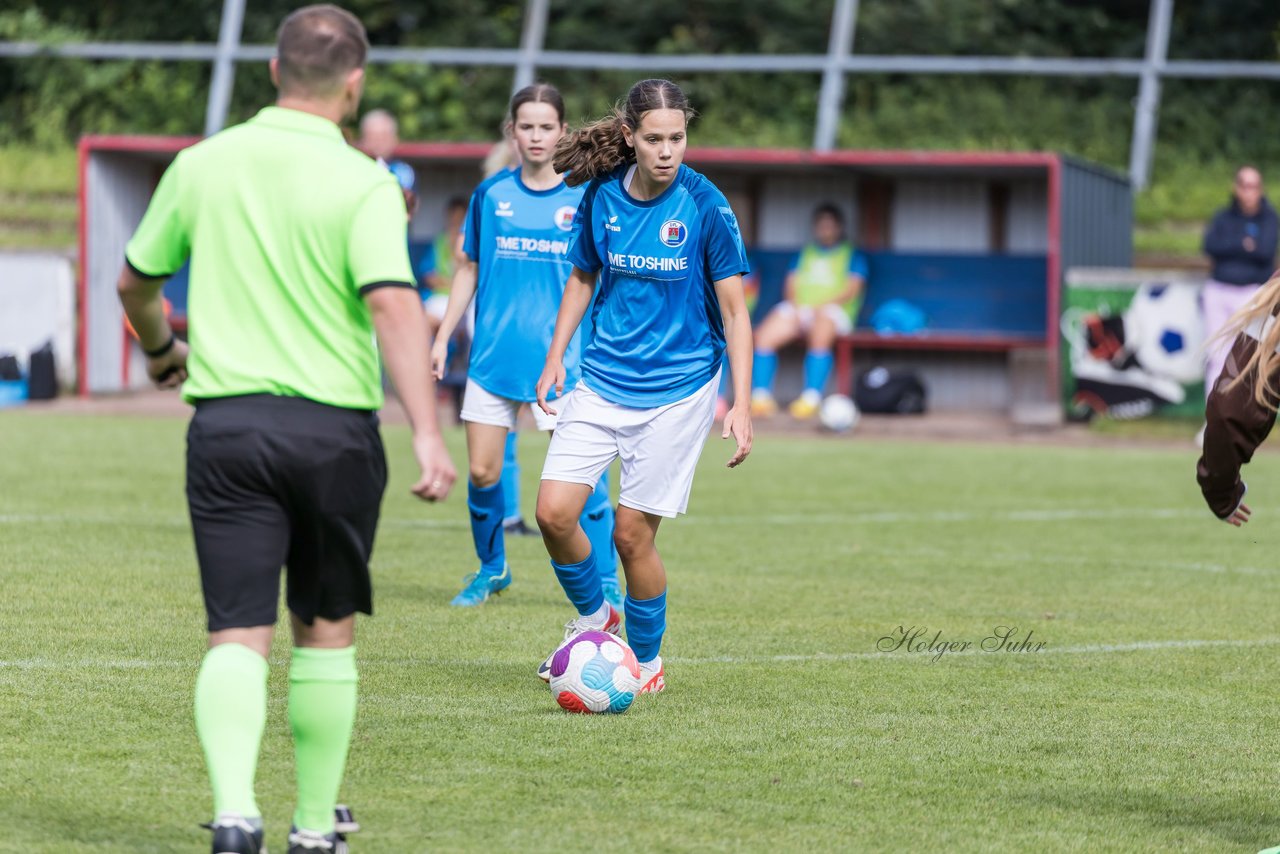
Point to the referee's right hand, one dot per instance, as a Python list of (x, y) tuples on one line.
[(438, 473)]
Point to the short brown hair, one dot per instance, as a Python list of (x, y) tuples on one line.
[(317, 46)]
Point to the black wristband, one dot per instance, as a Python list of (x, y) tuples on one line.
[(165, 348)]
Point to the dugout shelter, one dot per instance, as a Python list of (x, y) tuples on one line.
[(979, 241)]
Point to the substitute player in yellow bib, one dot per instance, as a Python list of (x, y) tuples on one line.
[(298, 253), (820, 301)]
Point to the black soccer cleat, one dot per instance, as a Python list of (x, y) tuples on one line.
[(304, 841), (310, 842), (234, 834), (517, 528), (344, 822)]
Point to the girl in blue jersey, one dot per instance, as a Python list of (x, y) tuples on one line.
[(517, 234), (659, 261)]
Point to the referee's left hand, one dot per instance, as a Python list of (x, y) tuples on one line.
[(737, 423), (169, 370)]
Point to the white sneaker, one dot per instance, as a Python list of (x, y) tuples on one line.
[(652, 675), (575, 627)]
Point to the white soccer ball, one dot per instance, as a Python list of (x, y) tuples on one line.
[(595, 673), (1164, 329), (838, 413)]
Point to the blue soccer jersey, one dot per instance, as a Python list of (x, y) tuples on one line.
[(519, 239), (659, 335)]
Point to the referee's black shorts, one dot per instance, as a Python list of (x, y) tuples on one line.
[(283, 481)]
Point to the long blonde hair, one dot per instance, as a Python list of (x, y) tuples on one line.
[(598, 148), (1265, 361), (501, 157)]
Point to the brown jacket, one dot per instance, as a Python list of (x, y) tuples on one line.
[(1235, 425)]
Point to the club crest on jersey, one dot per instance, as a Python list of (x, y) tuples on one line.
[(504, 209), (673, 233), (564, 217)]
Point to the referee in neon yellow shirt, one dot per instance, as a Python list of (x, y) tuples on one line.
[(298, 259)]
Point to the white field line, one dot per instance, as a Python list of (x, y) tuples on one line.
[(181, 521), (864, 518), (1082, 649), (944, 516), (1060, 515), (1041, 559)]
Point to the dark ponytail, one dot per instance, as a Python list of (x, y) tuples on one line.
[(598, 148), (592, 150)]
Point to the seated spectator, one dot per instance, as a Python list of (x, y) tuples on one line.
[(820, 300)]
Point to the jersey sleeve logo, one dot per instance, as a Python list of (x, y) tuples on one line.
[(673, 233), (564, 217), (730, 220)]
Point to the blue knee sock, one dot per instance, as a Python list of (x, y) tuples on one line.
[(510, 481), (597, 521), (486, 526), (646, 621), (581, 584), (817, 367), (763, 369)]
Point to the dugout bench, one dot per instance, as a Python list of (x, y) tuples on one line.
[(974, 303)]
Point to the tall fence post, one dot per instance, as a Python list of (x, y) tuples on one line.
[(224, 66), (1145, 115), (844, 19), (531, 40)]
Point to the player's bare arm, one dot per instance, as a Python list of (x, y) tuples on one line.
[(852, 291), (460, 294), (402, 332), (577, 296), (737, 334)]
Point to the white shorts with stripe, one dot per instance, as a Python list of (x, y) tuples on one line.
[(659, 447)]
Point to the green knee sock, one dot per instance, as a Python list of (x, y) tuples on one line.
[(231, 710), (322, 711)]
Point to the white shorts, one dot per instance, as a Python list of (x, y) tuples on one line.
[(659, 447), (484, 407), (806, 314), (435, 305)]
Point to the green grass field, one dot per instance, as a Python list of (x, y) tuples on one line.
[(1146, 723)]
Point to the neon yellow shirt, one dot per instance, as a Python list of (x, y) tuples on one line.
[(822, 274), (443, 249), (286, 227)]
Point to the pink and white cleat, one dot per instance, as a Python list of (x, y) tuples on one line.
[(575, 627), (651, 676)]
